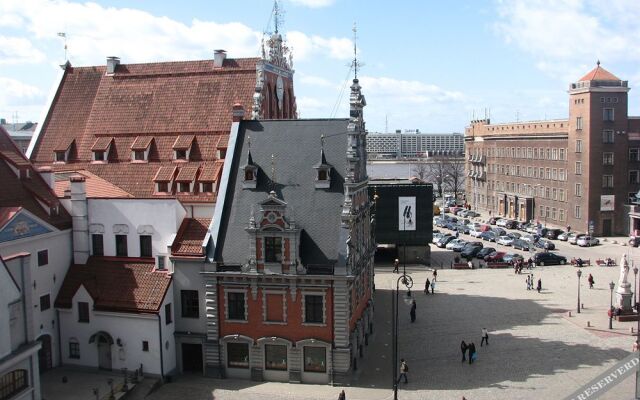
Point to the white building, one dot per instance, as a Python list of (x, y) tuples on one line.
[(413, 144)]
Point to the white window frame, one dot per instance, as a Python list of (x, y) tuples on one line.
[(322, 293), (283, 293)]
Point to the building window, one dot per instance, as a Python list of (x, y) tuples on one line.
[(561, 215), (206, 187), (184, 187), (548, 170), (190, 304), (145, 345), (578, 167), (576, 212), (273, 249), (248, 174), (547, 193), (578, 146), (45, 302), (541, 173), (634, 176), (235, 305), (145, 246), (43, 257), (554, 154), (181, 154), (607, 181), (12, 383), (563, 154), (139, 155), (222, 153), (607, 136), (97, 244), (238, 355), (561, 194), (313, 309), (607, 158), (61, 156), (121, 246), (608, 114), (162, 187), (554, 193), (275, 357), (83, 311), (74, 349), (578, 189), (579, 123), (168, 316), (98, 156), (561, 174), (315, 359), (161, 262), (634, 154)]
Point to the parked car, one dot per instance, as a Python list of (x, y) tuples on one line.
[(544, 244), (436, 236), (587, 241), (532, 228), (456, 242), (521, 244), (442, 242), (634, 241), (492, 220), (461, 212), (514, 235), (457, 245), (496, 256), (462, 228), (472, 214), (549, 259), (528, 238), (510, 257), (573, 237), (475, 232), (488, 236), (446, 209), (553, 233), (511, 224), (471, 249), (564, 236), (499, 231), (505, 240), (485, 251), (501, 222)]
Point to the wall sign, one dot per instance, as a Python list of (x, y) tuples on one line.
[(406, 213), (607, 202)]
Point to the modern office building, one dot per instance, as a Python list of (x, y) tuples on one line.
[(582, 171), (20, 132), (413, 144)]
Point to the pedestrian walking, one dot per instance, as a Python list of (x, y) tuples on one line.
[(404, 370), (529, 263), (396, 264), (568, 228), (412, 313), (342, 396), (470, 264), (463, 349), (427, 285), (485, 337), (539, 285), (433, 287), (591, 281), (528, 282), (435, 274), (472, 353)]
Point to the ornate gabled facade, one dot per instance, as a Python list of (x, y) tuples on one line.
[(289, 287)]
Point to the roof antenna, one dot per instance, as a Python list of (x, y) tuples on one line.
[(273, 174), (355, 63), (277, 15)]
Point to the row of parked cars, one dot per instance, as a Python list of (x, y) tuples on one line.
[(579, 239)]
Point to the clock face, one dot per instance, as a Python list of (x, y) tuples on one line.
[(279, 88)]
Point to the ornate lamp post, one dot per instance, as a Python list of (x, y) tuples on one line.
[(611, 286), (408, 283), (579, 273)]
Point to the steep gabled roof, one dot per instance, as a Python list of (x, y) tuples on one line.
[(190, 236), (30, 192), (124, 285)]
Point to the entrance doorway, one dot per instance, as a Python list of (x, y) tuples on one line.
[(45, 357), (606, 227), (191, 357), (104, 353)]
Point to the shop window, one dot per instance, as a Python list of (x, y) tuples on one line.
[(275, 357), (238, 355), (315, 359)]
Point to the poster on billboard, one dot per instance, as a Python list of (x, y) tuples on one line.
[(607, 202), (406, 213)]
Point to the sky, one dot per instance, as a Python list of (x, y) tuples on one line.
[(427, 65)]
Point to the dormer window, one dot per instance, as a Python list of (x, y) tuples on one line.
[(323, 171), (323, 175), (140, 149), (206, 187), (62, 150), (164, 178), (186, 178), (184, 187), (250, 173), (222, 153), (209, 175), (182, 147), (101, 148), (162, 187), (98, 156), (61, 156)]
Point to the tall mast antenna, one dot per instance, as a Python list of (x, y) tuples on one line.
[(276, 15), (355, 64)]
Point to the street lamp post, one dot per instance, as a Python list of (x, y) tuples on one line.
[(635, 286), (408, 283), (611, 286), (579, 273)]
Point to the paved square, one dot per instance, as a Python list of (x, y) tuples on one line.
[(536, 350)]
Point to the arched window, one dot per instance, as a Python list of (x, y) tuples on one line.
[(12, 383)]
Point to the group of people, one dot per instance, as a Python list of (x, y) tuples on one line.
[(519, 264), (530, 281), (431, 283)]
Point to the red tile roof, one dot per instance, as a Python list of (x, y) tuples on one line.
[(6, 213), (123, 285), (183, 142), (95, 186), (168, 101), (188, 241), (211, 172), (102, 144), (29, 193), (64, 144), (165, 174), (141, 143), (599, 74), (187, 174)]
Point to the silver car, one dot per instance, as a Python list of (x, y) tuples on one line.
[(505, 240), (587, 241)]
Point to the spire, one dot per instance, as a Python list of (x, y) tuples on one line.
[(276, 15), (249, 158), (323, 159), (278, 53), (355, 64), (273, 174)]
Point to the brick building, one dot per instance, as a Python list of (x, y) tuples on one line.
[(582, 171)]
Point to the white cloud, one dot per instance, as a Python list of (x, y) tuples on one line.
[(409, 92), (306, 47), (16, 93), (14, 50), (567, 34), (314, 80), (313, 3)]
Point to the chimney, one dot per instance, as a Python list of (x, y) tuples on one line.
[(80, 219), (218, 58), (112, 63), (47, 174), (238, 112)]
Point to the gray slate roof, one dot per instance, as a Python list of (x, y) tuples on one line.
[(296, 146)]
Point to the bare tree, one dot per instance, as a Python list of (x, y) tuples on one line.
[(454, 176), (436, 174), (420, 170)]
